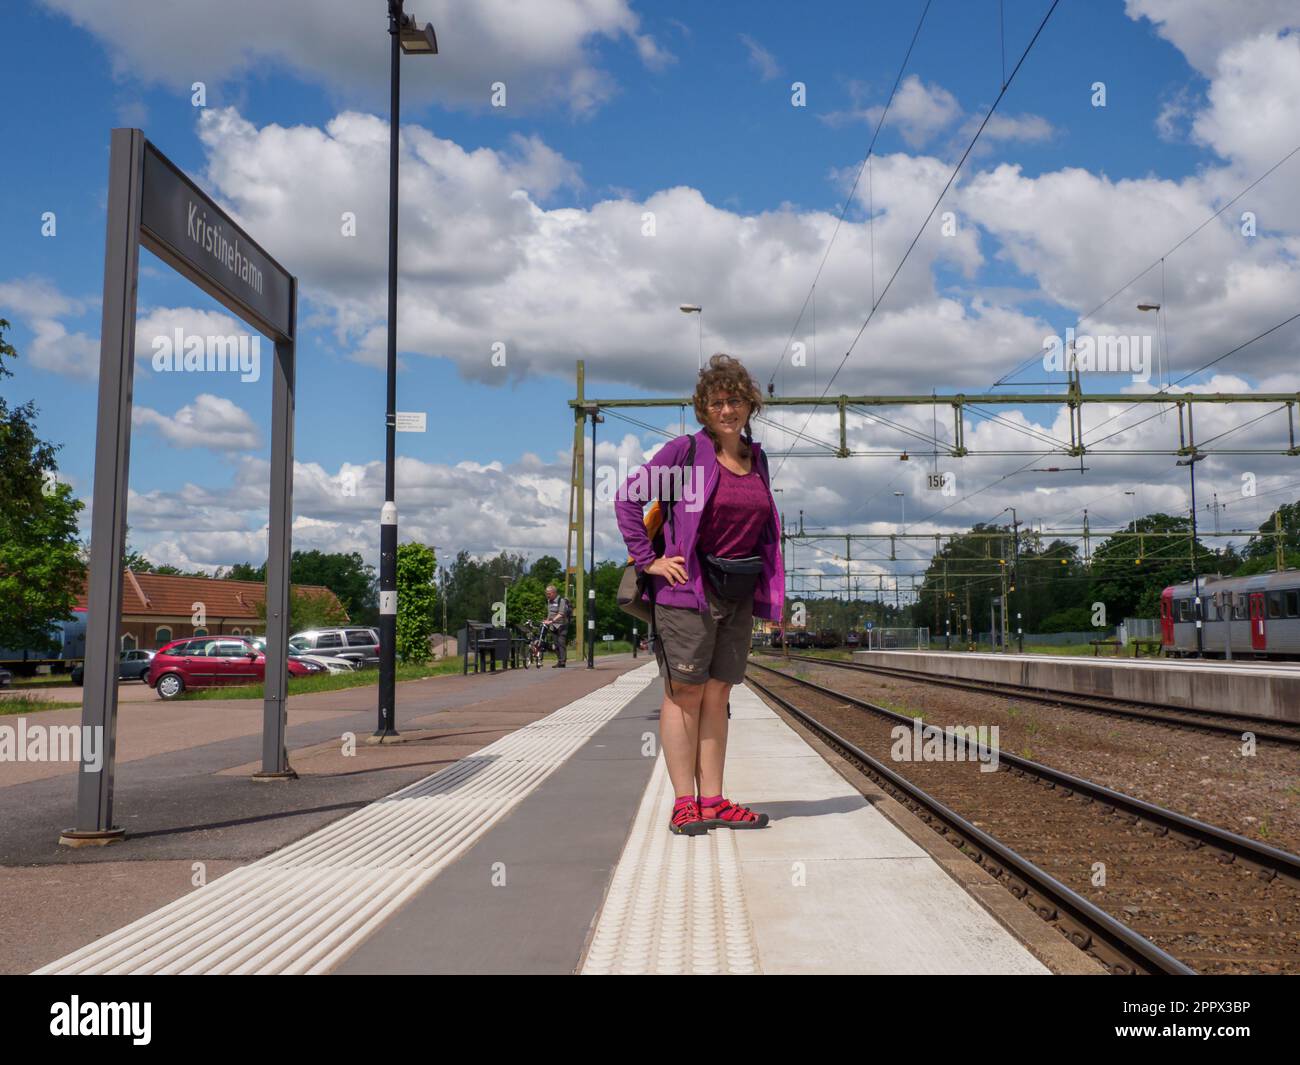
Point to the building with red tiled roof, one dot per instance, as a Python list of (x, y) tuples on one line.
[(158, 607)]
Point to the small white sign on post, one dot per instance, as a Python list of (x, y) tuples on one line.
[(607, 638), (411, 421)]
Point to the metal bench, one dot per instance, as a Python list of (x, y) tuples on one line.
[(483, 641)]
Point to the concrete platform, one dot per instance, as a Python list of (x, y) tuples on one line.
[(547, 851), (1260, 690), (831, 886)]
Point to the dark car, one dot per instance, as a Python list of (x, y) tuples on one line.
[(131, 665), (852, 639), (6, 678), (359, 644), (213, 662), (800, 638)]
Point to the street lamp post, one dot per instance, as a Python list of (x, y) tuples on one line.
[(414, 40)]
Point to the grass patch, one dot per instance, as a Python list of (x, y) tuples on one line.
[(329, 682), (42, 680), (27, 704)]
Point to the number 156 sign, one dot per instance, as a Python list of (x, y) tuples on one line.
[(944, 482)]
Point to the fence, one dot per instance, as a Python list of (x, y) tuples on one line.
[(898, 639)]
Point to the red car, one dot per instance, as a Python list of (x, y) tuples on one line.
[(212, 662)]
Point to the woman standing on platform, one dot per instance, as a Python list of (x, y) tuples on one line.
[(719, 569)]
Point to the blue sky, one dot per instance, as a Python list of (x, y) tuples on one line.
[(674, 96)]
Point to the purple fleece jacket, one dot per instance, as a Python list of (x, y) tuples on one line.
[(681, 536)]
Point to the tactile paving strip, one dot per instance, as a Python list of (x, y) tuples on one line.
[(304, 908), (675, 904)]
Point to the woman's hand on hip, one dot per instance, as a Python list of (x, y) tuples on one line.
[(671, 568)]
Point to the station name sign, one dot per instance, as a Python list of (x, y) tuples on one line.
[(185, 228)]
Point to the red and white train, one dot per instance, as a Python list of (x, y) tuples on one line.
[(1255, 617)]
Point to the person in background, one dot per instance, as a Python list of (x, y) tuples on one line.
[(558, 613), (721, 568)]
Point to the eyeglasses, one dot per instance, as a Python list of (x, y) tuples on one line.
[(718, 406)]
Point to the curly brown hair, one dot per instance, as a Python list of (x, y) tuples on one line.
[(728, 375)]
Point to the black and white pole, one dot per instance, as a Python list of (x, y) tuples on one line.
[(388, 515), (387, 726), (404, 35)]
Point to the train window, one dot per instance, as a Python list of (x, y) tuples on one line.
[(1240, 606), (1293, 603), (1184, 610), (1274, 604)]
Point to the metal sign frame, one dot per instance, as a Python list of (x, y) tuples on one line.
[(142, 184)]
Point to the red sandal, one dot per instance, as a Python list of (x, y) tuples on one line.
[(727, 814), (686, 819)]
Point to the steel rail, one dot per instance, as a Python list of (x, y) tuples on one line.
[(1121, 950), (1074, 702), (1270, 860)]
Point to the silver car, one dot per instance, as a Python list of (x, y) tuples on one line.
[(331, 665), (357, 644)]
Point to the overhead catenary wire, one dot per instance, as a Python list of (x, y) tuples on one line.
[(1156, 262), (943, 192), (848, 200)]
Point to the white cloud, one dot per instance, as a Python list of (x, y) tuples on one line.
[(919, 111), (53, 348), (210, 422), (1002, 127), (543, 50), (761, 59), (1202, 29), (1253, 114)]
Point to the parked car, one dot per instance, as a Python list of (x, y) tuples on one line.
[(332, 665), (213, 662), (131, 665), (6, 678), (361, 645), (852, 639), (800, 638)]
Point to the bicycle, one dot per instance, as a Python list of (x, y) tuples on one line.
[(537, 644)]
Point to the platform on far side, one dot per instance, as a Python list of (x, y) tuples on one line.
[(831, 886), (1264, 690)]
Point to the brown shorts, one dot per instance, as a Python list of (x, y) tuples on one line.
[(699, 645)]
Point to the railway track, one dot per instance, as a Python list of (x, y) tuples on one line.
[(1194, 897), (1261, 728)]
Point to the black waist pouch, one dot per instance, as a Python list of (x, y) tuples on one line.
[(733, 578)]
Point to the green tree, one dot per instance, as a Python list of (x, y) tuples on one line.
[(417, 601), (245, 571), (527, 601), (1259, 555), (547, 570), (1129, 573), (41, 568), (346, 575)]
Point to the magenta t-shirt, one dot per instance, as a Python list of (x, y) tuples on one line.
[(733, 523)]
